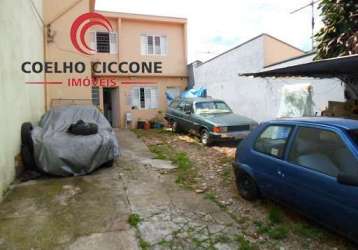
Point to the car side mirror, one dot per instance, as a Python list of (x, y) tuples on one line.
[(347, 179)]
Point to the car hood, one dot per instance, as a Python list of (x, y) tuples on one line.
[(227, 119)]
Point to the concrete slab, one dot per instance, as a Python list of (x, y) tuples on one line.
[(91, 212)]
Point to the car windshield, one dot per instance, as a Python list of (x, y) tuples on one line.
[(354, 135), (212, 107)]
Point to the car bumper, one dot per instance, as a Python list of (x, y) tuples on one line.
[(230, 135)]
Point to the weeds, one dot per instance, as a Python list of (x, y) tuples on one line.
[(275, 215), (144, 245), (306, 231), (134, 220), (244, 243)]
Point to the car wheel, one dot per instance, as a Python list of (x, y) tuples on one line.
[(108, 164), (27, 157), (176, 127), (26, 139), (247, 187), (205, 138)]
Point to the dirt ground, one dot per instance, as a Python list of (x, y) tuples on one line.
[(208, 171)]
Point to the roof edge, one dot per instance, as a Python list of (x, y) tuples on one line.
[(136, 16), (291, 59)]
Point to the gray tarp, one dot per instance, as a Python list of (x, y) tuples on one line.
[(60, 153)]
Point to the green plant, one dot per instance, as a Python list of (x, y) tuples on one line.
[(186, 173), (244, 243), (307, 231), (278, 232), (144, 245), (275, 215), (134, 220), (339, 35), (161, 151), (273, 231)]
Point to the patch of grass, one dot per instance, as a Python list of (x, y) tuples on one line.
[(222, 238), (134, 220), (161, 151), (226, 175), (307, 231), (278, 232), (275, 215), (244, 244), (186, 172), (212, 197), (273, 231), (144, 245)]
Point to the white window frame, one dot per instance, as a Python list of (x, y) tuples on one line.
[(113, 41), (163, 40), (151, 97)]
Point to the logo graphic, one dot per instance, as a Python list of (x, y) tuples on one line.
[(81, 25)]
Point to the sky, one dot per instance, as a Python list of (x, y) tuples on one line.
[(216, 26)]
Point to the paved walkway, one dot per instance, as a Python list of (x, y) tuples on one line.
[(91, 212)]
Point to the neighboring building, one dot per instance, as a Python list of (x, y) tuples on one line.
[(144, 38), (21, 29), (260, 98), (134, 38)]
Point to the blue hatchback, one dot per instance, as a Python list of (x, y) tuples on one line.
[(310, 164)]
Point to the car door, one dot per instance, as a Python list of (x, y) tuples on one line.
[(187, 121), (178, 113), (310, 175), (267, 157)]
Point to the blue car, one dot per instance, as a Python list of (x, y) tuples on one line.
[(310, 164)]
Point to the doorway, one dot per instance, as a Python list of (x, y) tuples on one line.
[(111, 106)]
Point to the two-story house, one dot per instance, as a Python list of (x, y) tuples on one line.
[(134, 44), (136, 40)]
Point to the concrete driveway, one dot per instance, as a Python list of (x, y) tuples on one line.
[(91, 212)]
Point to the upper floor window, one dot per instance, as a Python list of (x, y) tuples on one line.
[(104, 42), (153, 45)]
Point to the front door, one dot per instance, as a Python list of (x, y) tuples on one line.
[(314, 161), (269, 150)]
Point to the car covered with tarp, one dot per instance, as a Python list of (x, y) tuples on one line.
[(69, 141)]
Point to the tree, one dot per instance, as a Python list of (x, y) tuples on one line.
[(339, 35)]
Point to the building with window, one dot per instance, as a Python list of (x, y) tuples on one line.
[(265, 98), (134, 65)]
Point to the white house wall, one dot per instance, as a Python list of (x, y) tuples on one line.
[(21, 31), (258, 98)]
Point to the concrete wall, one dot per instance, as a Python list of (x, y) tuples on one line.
[(22, 40), (257, 98)]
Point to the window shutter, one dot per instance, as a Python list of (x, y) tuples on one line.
[(147, 98), (113, 42), (93, 40), (144, 45), (154, 98), (163, 45), (135, 99)]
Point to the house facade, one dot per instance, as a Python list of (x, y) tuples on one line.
[(139, 60), (261, 98)]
